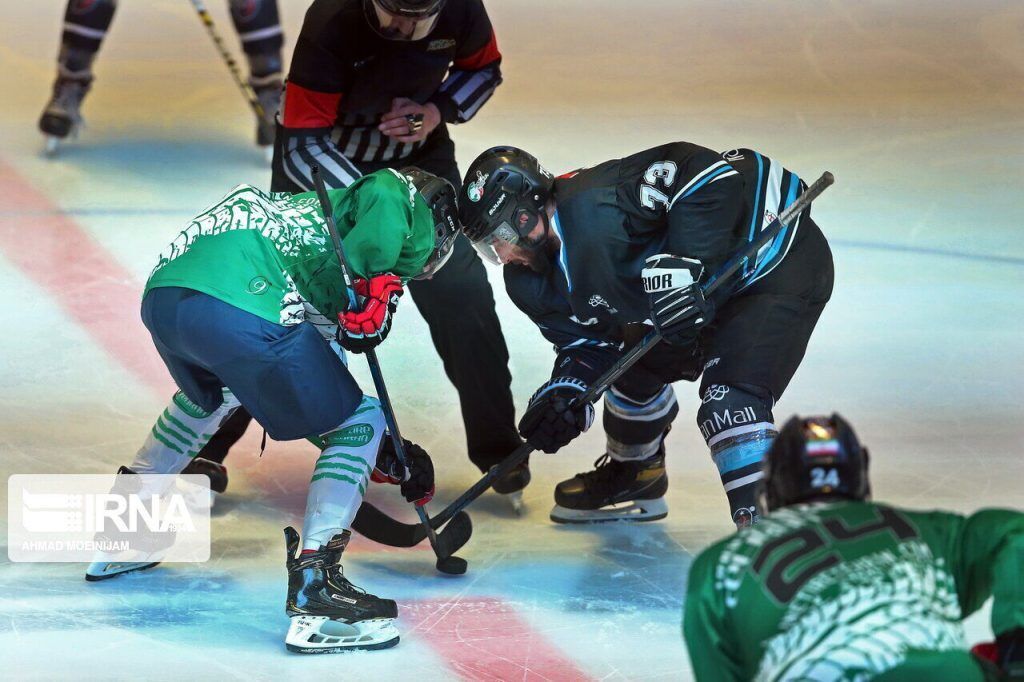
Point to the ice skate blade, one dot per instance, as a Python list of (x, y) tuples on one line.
[(632, 511), (322, 635), (52, 145), (516, 500), (105, 570)]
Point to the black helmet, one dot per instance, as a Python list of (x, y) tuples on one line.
[(439, 196), (403, 19), (814, 458), (502, 185)]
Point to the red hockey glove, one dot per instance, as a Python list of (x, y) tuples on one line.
[(417, 481), (362, 330)]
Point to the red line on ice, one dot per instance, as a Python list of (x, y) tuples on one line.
[(83, 279), (486, 640)]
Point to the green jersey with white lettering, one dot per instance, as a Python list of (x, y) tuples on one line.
[(271, 254), (853, 591)]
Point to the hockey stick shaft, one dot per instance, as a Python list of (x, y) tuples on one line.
[(594, 391), (371, 354), (225, 55)]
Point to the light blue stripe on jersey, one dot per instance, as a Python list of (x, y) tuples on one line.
[(563, 259), (756, 213), (777, 243), (721, 170)]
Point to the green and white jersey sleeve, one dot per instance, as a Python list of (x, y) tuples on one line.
[(852, 591), (271, 254)]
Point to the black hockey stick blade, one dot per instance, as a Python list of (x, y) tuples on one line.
[(373, 524)]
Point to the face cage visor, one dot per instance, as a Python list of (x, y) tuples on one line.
[(502, 233), (402, 27)]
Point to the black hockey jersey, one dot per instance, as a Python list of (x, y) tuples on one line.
[(680, 199), (344, 75)]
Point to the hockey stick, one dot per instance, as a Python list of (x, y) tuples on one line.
[(452, 538), (380, 527), (247, 91)]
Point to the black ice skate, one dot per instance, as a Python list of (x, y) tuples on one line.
[(511, 485), (62, 117), (268, 93), (328, 613), (215, 471), (107, 565), (614, 491)]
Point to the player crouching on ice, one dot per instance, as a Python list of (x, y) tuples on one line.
[(595, 256), (832, 586), (244, 307)]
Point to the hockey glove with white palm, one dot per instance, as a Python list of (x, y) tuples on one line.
[(363, 330), (549, 422), (417, 482), (677, 305)]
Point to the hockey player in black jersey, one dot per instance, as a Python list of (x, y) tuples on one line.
[(375, 84), (597, 255)]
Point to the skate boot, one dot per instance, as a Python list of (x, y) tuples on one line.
[(268, 93), (328, 613), (216, 472), (106, 565), (614, 491), (62, 116), (511, 485)]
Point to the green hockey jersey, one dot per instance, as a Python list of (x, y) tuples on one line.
[(271, 254), (852, 591)]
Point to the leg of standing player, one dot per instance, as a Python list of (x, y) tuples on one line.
[(259, 30), (458, 306), (85, 25), (755, 347)]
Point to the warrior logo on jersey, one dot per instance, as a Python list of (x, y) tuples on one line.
[(475, 189)]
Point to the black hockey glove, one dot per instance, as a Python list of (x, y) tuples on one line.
[(678, 307), (417, 482), (549, 424)]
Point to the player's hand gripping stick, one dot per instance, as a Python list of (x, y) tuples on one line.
[(447, 542), (376, 525)]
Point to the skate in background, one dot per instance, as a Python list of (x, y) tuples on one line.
[(86, 23)]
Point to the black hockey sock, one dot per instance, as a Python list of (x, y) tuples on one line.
[(85, 26)]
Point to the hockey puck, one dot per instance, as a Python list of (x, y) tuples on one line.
[(452, 565)]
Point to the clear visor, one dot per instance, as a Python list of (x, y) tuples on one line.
[(399, 27), (438, 258), (490, 246)]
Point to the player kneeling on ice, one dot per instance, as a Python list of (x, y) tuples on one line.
[(832, 586), (244, 308), (597, 255)]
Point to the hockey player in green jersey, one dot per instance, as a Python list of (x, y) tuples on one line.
[(832, 586), (247, 306)]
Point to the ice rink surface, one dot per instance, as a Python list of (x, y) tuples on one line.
[(915, 107)]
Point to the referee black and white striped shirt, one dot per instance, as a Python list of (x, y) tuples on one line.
[(344, 76)]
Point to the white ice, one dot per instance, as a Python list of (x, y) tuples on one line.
[(913, 105)]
